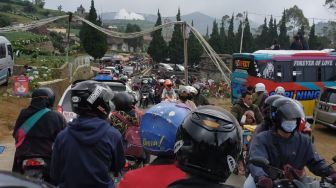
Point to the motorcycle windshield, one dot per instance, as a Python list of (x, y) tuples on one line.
[(159, 125)]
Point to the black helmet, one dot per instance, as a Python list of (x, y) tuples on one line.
[(285, 109), (267, 104), (123, 101), (44, 94), (91, 98), (208, 143)]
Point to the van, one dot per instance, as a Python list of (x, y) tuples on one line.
[(325, 110), (6, 60)]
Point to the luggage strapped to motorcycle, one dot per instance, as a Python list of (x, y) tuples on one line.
[(28, 125)]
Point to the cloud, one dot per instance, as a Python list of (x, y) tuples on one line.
[(123, 14)]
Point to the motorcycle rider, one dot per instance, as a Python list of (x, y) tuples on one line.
[(158, 90), (89, 149), (146, 87), (39, 139), (285, 147), (184, 94), (260, 95), (160, 130), (244, 105), (207, 147), (199, 99), (168, 92), (125, 114)]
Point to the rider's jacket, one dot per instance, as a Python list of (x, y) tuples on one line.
[(158, 174), (85, 153), (297, 150), (197, 182), (240, 108), (40, 138)]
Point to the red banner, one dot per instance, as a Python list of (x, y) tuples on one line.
[(21, 85)]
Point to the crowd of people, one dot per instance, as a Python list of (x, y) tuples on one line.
[(195, 144)]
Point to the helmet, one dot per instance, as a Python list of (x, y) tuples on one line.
[(159, 125), (260, 87), (208, 143), (44, 94), (161, 81), (123, 78), (123, 101), (267, 104), (168, 83), (285, 109), (91, 98), (280, 90), (184, 89)]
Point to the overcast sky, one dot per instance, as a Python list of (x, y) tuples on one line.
[(216, 8)]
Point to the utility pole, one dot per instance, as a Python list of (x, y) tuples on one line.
[(242, 34), (185, 39), (67, 48)]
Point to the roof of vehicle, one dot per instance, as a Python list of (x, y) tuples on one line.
[(331, 87)]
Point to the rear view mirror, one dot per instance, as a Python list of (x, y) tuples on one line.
[(260, 162)]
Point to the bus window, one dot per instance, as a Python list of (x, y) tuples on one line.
[(319, 74), (328, 74), (310, 74), (266, 70), (10, 50), (282, 72)]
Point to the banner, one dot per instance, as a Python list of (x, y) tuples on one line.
[(21, 85)]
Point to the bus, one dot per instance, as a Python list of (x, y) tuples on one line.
[(302, 73), (6, 60)]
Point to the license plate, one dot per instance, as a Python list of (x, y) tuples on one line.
[(323, 107)]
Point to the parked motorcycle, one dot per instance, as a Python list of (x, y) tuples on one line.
[(280, 180)]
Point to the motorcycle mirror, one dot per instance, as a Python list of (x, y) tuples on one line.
[(260, 162), (310, 121)]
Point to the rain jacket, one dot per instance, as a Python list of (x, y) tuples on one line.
[(297, 150), (85, 153)]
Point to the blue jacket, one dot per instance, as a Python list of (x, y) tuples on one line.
[(84, 154), (297, 151)]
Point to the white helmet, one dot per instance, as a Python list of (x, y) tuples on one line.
[(260, 87), (280, 90), (161, 81), (192, 90)]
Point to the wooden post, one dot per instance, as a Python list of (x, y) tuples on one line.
[(184, 26)]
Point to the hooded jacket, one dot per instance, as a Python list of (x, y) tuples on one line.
[(85, 153), (240, 108), (40, 138)]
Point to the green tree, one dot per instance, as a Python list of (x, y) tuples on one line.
[(158, 48), (283, 37), (207, 34), (135, 42), (223, 37), (93, 41), (214, 40), (263, 37), (272, 31), (57, 41), (195, 49), (30, 8), (39, 3), (231, 37), (4, 21), (295, 19), (312, 41), (238, 37), (248, 41), (176, 44)]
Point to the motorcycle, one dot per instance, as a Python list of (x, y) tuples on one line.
[(36, 167), (280, 180), (144, 100)]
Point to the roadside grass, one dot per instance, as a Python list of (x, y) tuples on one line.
[(39, 61), (21, 35)]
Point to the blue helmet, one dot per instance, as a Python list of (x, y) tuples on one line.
[(159, 125)]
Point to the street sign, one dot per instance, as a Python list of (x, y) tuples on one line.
[(21, 85)]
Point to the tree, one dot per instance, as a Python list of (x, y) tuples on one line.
[(248, 42), (330, 4), (176, 44), (195, 49), (39, 3), (4, 21), (207, 34), (312, 41), (59, 8), (30, 8), (93, 41), (231, 37), (214, 40), (223, 37), (283, 37), (263, 37), (135, 42), (295, 19), (272, 31), (57, 41), (158, 48)]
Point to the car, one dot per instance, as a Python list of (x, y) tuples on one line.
[(163, 67), (104, 74), (325, 109), (64, 104), (177, 67)]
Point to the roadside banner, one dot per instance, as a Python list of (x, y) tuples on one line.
[(21, 85)]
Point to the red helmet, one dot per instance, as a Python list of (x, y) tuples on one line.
[(168, 83)]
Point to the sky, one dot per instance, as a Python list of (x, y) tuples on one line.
[(257, 9)]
